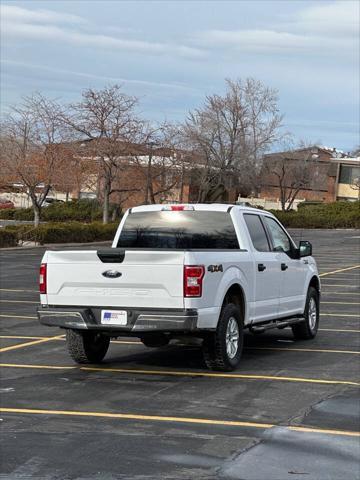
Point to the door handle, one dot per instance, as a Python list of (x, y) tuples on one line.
[(261, 267), (284, 266)]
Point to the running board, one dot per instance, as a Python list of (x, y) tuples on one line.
[(279, 324)]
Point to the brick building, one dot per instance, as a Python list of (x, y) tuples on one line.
[(326, 174)]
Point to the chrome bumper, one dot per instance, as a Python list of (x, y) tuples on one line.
[(138, 320)]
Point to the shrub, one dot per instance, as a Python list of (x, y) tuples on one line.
[(75, 210), (8, 238), (69, 232), (7, 213), (326, 215)]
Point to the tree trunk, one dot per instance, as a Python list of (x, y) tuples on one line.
[(181, 198), (37, 213), (106, 202), (148, 181)]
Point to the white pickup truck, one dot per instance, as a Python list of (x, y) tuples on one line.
[(205, 270)]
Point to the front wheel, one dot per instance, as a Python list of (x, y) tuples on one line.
[(87, 347), (222, 349), (308, 329)]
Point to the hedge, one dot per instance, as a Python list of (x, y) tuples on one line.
[(8, 238), (59, 233), (326, 215), (75, 210)]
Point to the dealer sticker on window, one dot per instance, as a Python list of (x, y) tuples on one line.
[(114, 317)]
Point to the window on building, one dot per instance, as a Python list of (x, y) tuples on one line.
[(349, 174), (257, 233)]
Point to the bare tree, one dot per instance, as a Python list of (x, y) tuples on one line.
[(291, 171), (106, 119), (230, 133), (32, 151), (158, 160)]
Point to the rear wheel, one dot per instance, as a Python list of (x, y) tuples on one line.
[(222, 349), (308, 329), (87, 347)]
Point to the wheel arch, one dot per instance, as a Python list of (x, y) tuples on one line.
[(315, 282), (235, 294)]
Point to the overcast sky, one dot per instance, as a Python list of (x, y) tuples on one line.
[(172, 53)]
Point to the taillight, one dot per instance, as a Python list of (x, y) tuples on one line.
[(193, 279), (42, 278)]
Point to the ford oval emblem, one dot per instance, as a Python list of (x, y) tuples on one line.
[(112, 274)]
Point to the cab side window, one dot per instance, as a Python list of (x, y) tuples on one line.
[(280, 240), (257, 232)]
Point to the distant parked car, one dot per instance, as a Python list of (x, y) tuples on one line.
[(5, 203), (51, 201)]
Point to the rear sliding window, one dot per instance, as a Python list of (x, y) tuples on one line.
[(183, 230)]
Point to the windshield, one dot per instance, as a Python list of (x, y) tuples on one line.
[(179, 229)]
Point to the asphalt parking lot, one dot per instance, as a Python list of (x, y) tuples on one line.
[(291, 410)]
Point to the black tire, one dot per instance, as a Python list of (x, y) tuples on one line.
[(214, 347), (87, 347), (308, 329), (155, 341)]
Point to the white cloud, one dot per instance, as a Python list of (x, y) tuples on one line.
[(267, 41), (336, 18), (90, 76), (14, 14), (323, 28), (22, 23)]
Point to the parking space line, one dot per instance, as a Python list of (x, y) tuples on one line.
[(324, 266), (17, 290), (323, 431), (340, 303), (340, 314), (352, 280), (61, 337), (15, 316), (21, 337), (317, 350), (340, 270), (158, 418), (179, 373), (19, 301), (339, 293), (29, 344), (39, 367), (338, 284), (244, 376), (344, 330)]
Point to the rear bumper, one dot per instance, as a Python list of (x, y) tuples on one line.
[(139, 320)]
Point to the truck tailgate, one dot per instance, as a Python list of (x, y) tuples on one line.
[(150, 279)]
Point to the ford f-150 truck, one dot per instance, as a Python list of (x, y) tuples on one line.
[(205, 270)]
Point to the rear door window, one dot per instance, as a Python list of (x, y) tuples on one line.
[(257, 232), (183, 230)]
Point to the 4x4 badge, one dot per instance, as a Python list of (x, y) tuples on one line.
[(215, 268)]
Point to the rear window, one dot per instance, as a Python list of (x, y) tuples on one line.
[(183, 230)]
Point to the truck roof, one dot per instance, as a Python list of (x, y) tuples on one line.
[(212, 207)]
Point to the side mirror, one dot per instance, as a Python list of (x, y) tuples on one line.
[(305, 249)]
